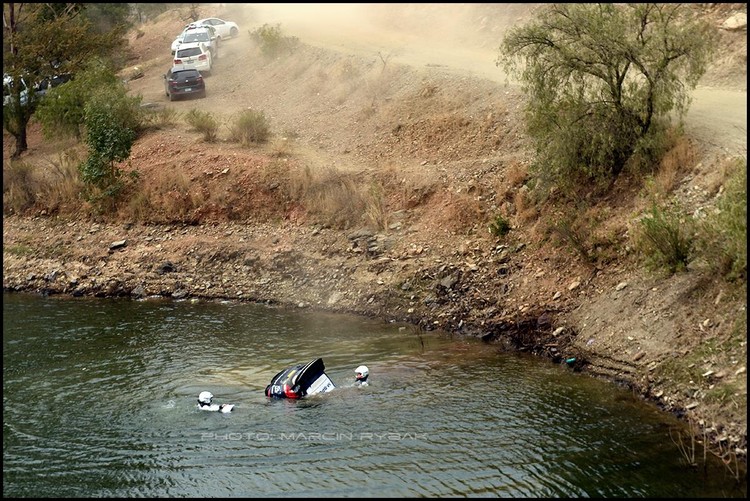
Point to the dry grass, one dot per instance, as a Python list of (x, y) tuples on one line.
[(338, 199), (526, 211), (328, 195), (162, 117), (516, 174), (406, 187), (462, 214), (168, 196), (680, 159), (376, 209), (49, 186)]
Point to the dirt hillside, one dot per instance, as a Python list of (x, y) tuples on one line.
[(430, 124)]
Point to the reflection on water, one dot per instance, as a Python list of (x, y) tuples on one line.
[(99, 399)]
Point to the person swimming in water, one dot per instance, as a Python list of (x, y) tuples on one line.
[(361, 374), (205, 403)]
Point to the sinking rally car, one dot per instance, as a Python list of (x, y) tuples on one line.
[(300, 381)]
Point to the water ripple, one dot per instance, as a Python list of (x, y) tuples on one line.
[(101, 397)]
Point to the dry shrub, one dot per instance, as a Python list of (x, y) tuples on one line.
[(336, 198), (204, 122), (316, 83), (526, 211), (347, 89), (462, 213), (406, 188), (516, 174), (340, 84), (345, 70), (665, 238), (298, 68), (575, 231), (376, 87), (428, 90), (250, 127), (328, 195), (138, 207), (281, 147), (53, 187), (678, 159), (169, 196)]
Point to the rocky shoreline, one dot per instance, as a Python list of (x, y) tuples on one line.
[(385, 275)]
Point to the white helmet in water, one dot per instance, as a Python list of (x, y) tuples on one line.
[(205, 397), (361, 373)]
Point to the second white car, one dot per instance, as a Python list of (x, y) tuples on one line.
[(194, 56), (224, 29)]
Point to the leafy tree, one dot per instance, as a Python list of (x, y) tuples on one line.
[(62, 114), (602, 81), (41, 40), (111, 120)]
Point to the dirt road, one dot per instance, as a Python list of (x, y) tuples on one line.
[(458, 39), (464, 39)]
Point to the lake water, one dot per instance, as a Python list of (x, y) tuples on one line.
[(99, 400)]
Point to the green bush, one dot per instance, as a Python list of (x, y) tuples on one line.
[(111, 119), (204, 122), (250, 127), (723, 235), (61, 112), (161, 117), (500, 226), (665, 238), (271, 41)]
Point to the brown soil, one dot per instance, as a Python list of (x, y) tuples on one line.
[(440, 133)]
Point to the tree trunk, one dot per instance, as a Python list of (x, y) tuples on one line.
[(21, 144)]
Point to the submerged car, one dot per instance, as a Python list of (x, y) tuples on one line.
[(194, 56), (179, 83), (300, 381)]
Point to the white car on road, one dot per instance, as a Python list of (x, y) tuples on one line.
[(224, 29), (203, 34), (195, 56)]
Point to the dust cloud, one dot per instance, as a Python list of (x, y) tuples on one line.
[(463, 37)]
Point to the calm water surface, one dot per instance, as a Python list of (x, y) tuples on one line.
[(99, 400)]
